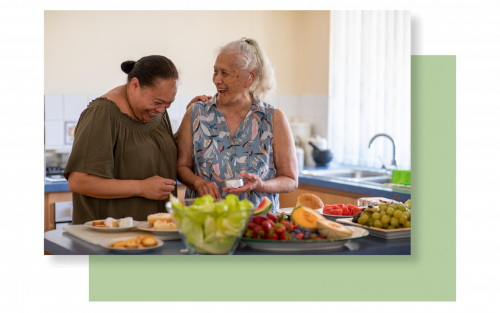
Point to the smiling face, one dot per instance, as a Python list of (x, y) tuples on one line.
[(147, 102), (232, 84)]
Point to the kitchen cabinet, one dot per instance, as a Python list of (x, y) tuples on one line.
[(49, 207), (327, 195)]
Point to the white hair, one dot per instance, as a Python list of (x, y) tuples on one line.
[(251, 57)]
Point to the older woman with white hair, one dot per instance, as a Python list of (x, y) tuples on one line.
[(237, 134)]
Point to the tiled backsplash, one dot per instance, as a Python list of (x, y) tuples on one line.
[(60, 109)]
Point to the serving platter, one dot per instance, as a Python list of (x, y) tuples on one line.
[(163, 234), (380, 232), (304, 245), (106, 242), (111, 230)]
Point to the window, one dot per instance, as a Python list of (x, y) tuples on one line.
[(369, 91)]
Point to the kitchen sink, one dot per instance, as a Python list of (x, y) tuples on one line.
[(352, 175)]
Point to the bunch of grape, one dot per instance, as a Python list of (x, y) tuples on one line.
[(385, 216)]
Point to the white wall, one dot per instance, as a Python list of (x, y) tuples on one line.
[(84, 50)]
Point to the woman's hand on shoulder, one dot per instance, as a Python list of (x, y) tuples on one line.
[(157, 188), (203, 98), (253, 182), (204, 187)]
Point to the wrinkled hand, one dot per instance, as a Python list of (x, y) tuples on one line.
[(204, 187), (203, 98), (157, 188), (253, 182)]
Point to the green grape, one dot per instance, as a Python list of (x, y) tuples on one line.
[(394, 221), (363, 219), (405, 214), (408, 203), (377, 224), (401, 207), (371, 221), (390, 211), (403, 220), (383, 207), (385, 219), (376, 216), (383, 213), (407, 224), (385, 225), (398, 214), (391, 227), (393, 206)]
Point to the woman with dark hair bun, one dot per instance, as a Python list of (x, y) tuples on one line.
[(124, 157)]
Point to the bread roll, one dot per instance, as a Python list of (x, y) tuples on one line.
[(159, 217), (309, 200), (97, 223)]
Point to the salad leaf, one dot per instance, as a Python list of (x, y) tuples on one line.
[(206, 199)]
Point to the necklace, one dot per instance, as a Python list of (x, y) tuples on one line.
[(131, 110)]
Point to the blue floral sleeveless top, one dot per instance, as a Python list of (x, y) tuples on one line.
[(218, 157)]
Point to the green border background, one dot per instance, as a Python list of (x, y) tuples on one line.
[(429, 274)]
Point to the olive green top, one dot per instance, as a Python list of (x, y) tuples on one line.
[(111, 144)]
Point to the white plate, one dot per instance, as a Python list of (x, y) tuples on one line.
[(285, 210), (380, 232), (111, 230), (304, 245), (331, 217), (106, 242), (163, 234)]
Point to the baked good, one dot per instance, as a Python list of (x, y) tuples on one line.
[(126, 222), (164, 225), (149, 241), (159, 217), (138, 242), (111, 222), (309, 200), (97, 223)]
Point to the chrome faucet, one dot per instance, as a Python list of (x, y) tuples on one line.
[(393, 163)]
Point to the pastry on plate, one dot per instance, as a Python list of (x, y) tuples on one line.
[(164, 225), (159, 217), (111, 222), (126, 222)]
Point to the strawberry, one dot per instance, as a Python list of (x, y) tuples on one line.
[(272, 235), (273, 216), (259, 219), (268, 225), (279, 229)]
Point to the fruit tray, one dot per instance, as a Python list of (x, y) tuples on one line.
[(304, 245), (380, 232)]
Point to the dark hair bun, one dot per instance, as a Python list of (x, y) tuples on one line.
[(127, 66)]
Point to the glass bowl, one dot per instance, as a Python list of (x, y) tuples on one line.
[(210, 231)]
